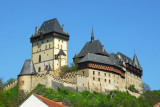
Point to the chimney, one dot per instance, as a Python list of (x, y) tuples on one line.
[(102, 48), (36, 30), (63, 27)]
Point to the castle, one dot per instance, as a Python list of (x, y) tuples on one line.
[(97, 70)]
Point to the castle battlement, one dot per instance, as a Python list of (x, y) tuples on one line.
[(12, 85)]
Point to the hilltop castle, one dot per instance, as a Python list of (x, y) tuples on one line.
[(97, 70)]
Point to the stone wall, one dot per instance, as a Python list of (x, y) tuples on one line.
[(12, 85)]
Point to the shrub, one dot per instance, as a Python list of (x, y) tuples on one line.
[(132, 88)]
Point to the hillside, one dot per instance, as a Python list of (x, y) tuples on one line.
[(82, 99)]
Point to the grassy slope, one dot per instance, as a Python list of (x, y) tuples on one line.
[(84, 99)]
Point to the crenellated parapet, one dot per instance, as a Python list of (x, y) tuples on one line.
[(12, 85)]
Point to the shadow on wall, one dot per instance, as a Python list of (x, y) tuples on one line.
[(56, 85)]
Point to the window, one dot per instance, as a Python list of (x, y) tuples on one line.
[(46, 47), (59, 40), (62, 41), (109, 81), (105, 74), (22, 82), (94, 78), (109, 75), (39, 58), (83, 73), (49, 45), (104, 80), (98, 79), (93, 72), (39, 69), (99, 73)]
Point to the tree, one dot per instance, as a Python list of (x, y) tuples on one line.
[(1, 84), (146, 87), (11, 80)]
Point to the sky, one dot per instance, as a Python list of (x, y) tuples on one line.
[(125, 26)]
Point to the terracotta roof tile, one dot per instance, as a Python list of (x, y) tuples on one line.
[(157, 105), (49, 102)]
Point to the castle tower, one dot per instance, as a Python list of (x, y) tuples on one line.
[(26, 75), (49, 46)]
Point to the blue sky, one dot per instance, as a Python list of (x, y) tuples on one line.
[(121, 26)]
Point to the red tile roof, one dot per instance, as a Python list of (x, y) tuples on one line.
[(49, 102), (157, 105)]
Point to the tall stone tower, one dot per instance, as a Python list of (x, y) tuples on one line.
[(49, 46)]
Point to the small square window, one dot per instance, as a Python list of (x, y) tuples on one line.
[(93, 72), (99, 73), (22, 82), (98, 79)]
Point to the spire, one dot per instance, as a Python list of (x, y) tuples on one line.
[(92, 36), (135, 61)]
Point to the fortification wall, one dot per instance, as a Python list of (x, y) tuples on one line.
[(12, 85), (70, 77), (82, 83)]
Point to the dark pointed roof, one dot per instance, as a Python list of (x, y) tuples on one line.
[(92, 36), (28, 68), (90, 57), (136, 62), (61, 52), (124, 58), (92, 47), (50, 26)]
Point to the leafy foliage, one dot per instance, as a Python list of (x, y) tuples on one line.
[(66, 69), (133, 89), (11, 80), (82, 99)]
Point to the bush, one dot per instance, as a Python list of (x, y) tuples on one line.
[(132, 88)]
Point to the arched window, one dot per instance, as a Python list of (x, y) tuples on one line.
[(39, 58)]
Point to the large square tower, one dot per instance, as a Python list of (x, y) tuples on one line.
[(49, 46)]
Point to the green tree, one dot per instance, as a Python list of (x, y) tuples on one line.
[(11, 80), (1, 84)]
